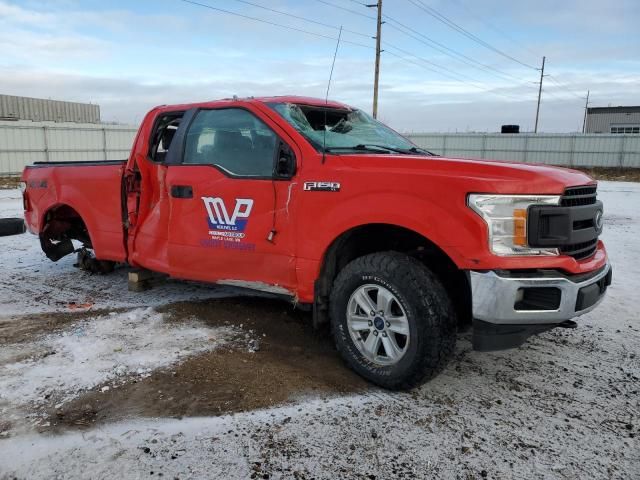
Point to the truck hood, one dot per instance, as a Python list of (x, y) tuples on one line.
[(494, 176)]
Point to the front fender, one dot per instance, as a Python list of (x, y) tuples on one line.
[(425, 218)]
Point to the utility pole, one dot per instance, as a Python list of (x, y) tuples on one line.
[(377, 73), (535, 129), (586, 106)]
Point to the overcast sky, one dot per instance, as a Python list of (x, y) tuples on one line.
[(128, 56)]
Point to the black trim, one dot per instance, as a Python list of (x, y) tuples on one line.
[(590, 294), (83, 163), (553, 226), (229, 174), (176, 149), (489, 337), (182, 191), (575, 196), (538, 298)]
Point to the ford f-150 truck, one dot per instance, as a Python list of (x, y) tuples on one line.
[(392, 246)]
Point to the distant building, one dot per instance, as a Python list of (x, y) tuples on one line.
[(613, 120), (43, 110)]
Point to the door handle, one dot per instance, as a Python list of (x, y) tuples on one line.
[(182, 191)]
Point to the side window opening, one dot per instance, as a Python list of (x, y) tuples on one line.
[(164, 131), (234, 140)]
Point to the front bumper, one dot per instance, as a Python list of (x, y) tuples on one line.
[(504, 318)]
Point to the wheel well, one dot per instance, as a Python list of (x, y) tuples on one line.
[(62, 224), (372, 238)]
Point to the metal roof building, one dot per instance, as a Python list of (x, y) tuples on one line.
[(613, 120), (43, 110)]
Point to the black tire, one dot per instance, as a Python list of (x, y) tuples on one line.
[(431, 318), (11, 226), (86, 261)]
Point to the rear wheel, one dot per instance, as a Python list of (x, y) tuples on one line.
[(392, 320)]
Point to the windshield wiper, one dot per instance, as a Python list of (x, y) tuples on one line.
[(365, 147), (421, 150), (371, 147)]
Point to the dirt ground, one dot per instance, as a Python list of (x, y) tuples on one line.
[(7, 182), (287, 360)]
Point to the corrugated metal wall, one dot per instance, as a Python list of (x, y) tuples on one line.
[(601, 122), (572, 150), (22, 143), (43, 110)]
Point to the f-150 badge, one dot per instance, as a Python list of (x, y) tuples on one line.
[(322, 186)]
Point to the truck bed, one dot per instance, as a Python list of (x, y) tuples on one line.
[(90, 190)]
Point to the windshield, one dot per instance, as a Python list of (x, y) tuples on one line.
[(343, 130)]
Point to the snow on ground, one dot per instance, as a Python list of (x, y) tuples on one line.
[(10, 203), (97, 351), (565, 405)]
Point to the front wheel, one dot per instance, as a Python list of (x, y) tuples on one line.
[(392, 320)]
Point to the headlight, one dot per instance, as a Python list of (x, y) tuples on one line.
[(23, 187), (506, 219)]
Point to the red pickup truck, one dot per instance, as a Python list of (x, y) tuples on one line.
[(395, 247)]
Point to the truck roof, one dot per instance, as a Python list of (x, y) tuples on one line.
[(301, 100)]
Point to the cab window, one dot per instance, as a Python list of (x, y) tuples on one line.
[(232, 139)]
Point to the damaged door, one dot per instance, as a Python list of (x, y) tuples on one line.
[(146, 204), (230, 202)]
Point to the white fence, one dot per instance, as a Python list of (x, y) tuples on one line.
[(572, 150), (22, 143)]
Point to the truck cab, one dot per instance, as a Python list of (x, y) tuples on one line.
[(392, 246)]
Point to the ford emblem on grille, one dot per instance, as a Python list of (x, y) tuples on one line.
[(597, 220)]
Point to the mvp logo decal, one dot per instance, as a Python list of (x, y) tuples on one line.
[(219, 218)]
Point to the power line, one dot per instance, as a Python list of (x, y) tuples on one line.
[(451, 24), (565, 87), (441, 70), (493, 27), (460, 57), (268, 22), (347, 9), (434, 44), (433, 64), (445, 73), (443, 48), (287, 14), (408, 60)]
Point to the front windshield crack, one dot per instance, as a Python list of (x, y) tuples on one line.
[(331, 128)]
